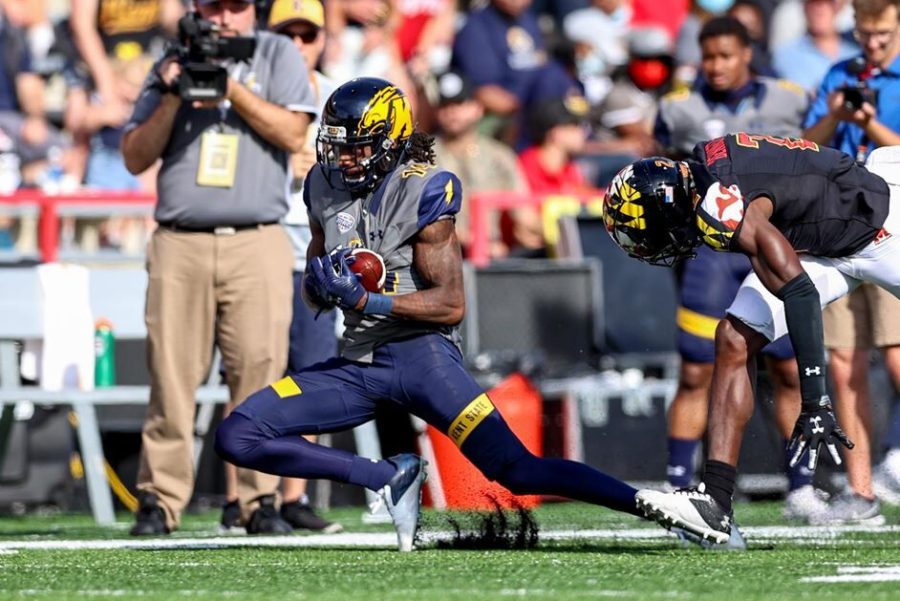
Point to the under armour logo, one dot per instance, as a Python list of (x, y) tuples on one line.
[(814, 371), (817, 424)]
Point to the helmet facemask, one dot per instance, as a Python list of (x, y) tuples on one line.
[(649, 211), (365, 131)]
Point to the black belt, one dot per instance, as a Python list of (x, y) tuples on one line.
[(219, 230)]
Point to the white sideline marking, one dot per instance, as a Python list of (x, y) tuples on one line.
[(813, 535), (860, 574)]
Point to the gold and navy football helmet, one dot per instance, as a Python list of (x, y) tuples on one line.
[(649, 211), (365, 129)]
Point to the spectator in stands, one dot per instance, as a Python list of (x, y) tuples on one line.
[(806, 59), (102, 124), (728, 99), (124, 29), (622, 119), (501, 49), (857, 130), (22, 112), (603, 27), (787, 23), (481, 163), (312, 337), (363, 43), (219, 263), (559, 130), (753, 17), (687, 50), (425, 31)]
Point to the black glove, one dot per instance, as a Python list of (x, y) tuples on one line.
[(332, 276), (816, 426)]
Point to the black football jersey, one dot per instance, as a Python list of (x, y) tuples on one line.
[(824, 202)]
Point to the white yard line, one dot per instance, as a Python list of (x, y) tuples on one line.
[(812, 535)]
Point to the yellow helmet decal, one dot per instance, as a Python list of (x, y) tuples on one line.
[(388, 107)]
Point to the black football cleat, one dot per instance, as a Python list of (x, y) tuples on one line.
[(302, 517), (150, 519), (266, 519)]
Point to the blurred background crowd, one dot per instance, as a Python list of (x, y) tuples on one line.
[(539, 96)]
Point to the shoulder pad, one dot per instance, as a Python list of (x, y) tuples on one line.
[(441, 195), (677, 95), (791, 86), (719, 216)]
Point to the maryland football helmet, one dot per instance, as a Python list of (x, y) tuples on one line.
[(649, 211), (365, 129)]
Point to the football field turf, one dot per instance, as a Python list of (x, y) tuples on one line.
[(583, 553)]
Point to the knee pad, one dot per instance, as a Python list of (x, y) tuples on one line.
[(236, 436)]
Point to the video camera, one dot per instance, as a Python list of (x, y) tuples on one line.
[(200, 43), (855, 94)]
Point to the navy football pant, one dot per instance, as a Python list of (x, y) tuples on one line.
[(424, 375)]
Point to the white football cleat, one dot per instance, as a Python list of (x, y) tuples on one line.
[(403, 497), (691, 509)]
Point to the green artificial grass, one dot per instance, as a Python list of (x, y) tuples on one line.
[(557, 569)]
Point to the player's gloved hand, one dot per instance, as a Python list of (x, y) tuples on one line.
[(817, 426), (316, 296), (337, 281)]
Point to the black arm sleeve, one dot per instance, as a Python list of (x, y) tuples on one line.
[(803, 313)]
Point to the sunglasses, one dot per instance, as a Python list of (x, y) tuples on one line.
[(307, 37)]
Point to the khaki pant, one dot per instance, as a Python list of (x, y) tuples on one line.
[(869, 317), (235, 290)]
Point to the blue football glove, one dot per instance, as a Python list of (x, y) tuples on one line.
[(315, 297), (336, 281)]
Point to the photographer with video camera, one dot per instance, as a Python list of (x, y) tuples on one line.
[(856, 111), (223, 110)]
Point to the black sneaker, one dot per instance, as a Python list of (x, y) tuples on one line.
[(265, 520), (231, 519), (303, 517), (150, 519)]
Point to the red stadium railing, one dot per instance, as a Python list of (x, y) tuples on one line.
[(485, 206), (93, 204), (96, 204)]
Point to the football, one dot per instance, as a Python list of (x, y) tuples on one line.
[(370, 266)]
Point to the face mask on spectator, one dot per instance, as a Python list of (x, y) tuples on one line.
[(590, 65), (716, 7)]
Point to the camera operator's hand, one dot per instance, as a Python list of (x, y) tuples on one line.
[(839, 111)]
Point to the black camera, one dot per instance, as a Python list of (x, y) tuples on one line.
[(200, 45), (856, 94)]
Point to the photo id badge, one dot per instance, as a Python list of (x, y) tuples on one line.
[(218, 159)]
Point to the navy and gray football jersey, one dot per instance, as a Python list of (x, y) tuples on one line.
[(385, 221), (825, 204)]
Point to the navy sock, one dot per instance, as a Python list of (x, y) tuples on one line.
[(240, 441), (680, 469), (533, 475), (718, 478), (799, 475)]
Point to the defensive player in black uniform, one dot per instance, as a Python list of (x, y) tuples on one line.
[(814, 224), (375, 185)]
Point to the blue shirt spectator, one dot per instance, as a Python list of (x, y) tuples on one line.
[(848, 136), (802, 62), (495, 48)]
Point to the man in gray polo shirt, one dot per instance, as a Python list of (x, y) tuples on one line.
[(219, 264)]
